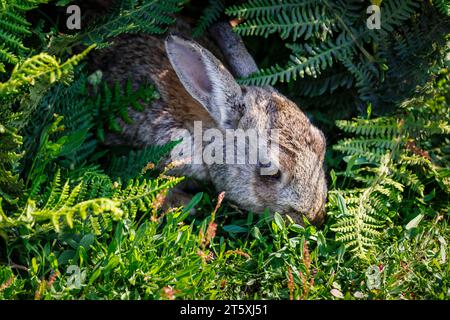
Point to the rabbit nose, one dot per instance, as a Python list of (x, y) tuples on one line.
[(318, 218)]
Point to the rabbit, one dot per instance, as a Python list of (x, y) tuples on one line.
[(195, 85)]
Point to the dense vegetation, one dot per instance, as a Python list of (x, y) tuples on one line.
[(78, 220)]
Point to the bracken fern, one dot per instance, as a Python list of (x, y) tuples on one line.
[(387, 164)]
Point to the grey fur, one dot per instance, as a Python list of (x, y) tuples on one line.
[(219, 102)]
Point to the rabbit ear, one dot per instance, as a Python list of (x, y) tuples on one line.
[(206, 79)]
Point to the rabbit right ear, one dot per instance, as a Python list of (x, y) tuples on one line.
[(206, 79)]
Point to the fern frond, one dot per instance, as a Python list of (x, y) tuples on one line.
[(386, 160), (147, 16), (395, 12), (29, 82), (14, 29), (326, 83), (42, 67), (139, 195), (442, 6), (382, 127), (312, 63), (358, 227), (67, 206), (70, 102), (210, 15), (366, 75), (268, 8), (132, 165), (10, 155), (371, 56), (108, 105), (296, 23), (370, 149)]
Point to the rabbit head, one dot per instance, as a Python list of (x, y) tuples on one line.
[(295, 184)]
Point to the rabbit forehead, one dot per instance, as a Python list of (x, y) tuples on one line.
[(298, 138)]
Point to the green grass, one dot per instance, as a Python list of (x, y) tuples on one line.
[(81, 221), (248, 257)]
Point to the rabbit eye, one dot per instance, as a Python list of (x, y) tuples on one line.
[(275, 176)]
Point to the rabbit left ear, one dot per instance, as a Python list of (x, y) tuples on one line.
[(206, 79)]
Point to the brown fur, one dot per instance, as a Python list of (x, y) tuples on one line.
[(302, 188)]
